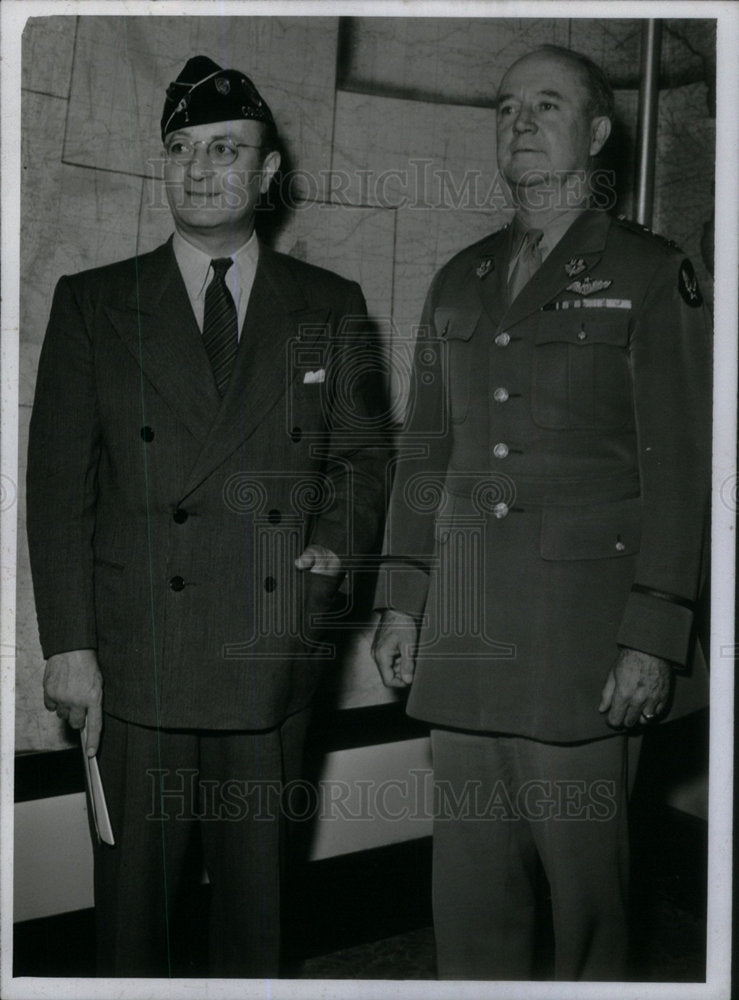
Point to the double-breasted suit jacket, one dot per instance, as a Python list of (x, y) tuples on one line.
[(553, 478), (163, 520)]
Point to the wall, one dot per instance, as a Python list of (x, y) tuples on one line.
[(390, 134)]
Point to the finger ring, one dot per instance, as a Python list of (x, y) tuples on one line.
[(648, 716)]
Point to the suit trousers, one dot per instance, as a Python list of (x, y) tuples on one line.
[(166, 789), (504, 803)]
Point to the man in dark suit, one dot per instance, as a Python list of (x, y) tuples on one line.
[(201, 463), (546, 530)]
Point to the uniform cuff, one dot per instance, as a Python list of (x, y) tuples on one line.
[(657, 626), (402, 588)]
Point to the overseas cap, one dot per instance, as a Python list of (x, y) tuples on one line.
[(205, 93)]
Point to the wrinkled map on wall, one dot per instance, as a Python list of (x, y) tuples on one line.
[(390, 139)]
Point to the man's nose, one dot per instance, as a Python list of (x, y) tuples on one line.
[(199, 163), (524, 120)]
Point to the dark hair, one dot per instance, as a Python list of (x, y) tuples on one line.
[(270, 138), (600, 93)]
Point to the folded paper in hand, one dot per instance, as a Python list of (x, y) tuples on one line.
[(96, 795), (317, 376)]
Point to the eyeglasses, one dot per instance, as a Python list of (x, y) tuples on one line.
[(220, 152)]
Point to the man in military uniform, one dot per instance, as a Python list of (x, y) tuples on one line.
[(195, 480), (546, 531)]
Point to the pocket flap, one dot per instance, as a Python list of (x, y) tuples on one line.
[(583, 327), (600, 531), (456, 324)]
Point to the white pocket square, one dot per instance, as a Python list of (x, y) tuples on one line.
[(317, 376)]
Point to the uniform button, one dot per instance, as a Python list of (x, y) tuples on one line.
[(147, 434), (582, 335), (620, 546), (500, 510), (503, 339), (274, 516), (269, 584), (500, 450), (500, 395), (180, 516), (296, 434), (177, 583)]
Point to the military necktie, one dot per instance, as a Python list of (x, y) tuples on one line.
[(220, 324), (528, 262)]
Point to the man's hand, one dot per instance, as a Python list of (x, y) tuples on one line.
[(73, 688), (319, 559), (637, 688), (392, 648)]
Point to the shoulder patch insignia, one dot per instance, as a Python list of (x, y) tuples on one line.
[(687, 284)]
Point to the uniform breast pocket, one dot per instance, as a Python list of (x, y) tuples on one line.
[(457, 330), (580, 370)]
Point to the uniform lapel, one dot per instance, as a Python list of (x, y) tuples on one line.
[(159, 329), (585, 239), (489, 274), (277, 316)]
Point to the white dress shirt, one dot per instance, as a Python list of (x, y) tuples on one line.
[(196, 271)]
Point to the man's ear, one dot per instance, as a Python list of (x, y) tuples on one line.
[(600, 129), (270, 166)]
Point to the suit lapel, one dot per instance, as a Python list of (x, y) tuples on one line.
[(158, 327), (277, 316), (585, 239)]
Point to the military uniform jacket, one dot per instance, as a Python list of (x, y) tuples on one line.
[(163, 521), (553, 477)]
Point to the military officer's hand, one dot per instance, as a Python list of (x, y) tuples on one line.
[(637, 688), (395, 638), (319, 559), (73, 688)]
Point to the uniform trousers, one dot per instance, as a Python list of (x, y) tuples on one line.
[(164, 789), (504, 803)]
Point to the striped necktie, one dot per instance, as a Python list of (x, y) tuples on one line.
[(527, 263), (220, 324)]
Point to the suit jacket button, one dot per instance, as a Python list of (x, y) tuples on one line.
[(296, 434), (180, 516), (177, 583), (274, 516), (269, 584), (503, 339), (500, 510), (501, 395), (500, 450), (147, 434)]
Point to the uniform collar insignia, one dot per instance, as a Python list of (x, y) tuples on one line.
[(485, 266), (588, 285), (575, 266)]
